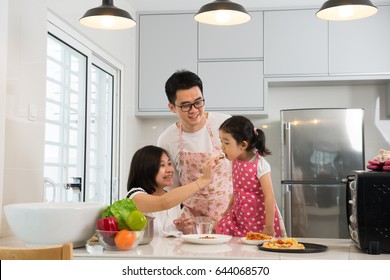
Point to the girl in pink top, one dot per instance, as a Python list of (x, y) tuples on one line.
[(253, 207)]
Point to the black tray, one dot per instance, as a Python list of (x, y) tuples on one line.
[(309, 248)]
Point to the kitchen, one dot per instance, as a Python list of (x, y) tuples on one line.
[(23, 35)]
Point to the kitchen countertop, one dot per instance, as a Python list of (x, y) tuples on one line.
[(177, 248)]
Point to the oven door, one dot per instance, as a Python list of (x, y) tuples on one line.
[(351, 208)]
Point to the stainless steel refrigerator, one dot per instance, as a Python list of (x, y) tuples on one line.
[(320, 147)]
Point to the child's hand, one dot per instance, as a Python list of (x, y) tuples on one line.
[(269, 231)]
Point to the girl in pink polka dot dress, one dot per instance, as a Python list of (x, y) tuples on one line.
[(253, 207)]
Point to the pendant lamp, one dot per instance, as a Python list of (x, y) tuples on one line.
[(346, 9), (107, 16), (222, 12)]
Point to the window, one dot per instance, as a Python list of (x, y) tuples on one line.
[(82, 121)]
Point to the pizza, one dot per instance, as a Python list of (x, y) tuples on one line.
[(257, 236), (286, 243)]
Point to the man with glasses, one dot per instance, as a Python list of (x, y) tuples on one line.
[(192, 140)]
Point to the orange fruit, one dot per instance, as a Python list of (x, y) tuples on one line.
[(124, 239)]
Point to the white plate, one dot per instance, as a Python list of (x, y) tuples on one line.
[(253, 242), (215, 238)]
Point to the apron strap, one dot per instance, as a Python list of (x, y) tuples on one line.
[(181, 144)]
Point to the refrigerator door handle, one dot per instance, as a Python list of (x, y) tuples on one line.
[(287, 150), (287, 209)]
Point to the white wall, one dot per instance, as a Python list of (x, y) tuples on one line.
[(26, 66), (3, 75)]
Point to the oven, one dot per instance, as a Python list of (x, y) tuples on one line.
[(368, 210)]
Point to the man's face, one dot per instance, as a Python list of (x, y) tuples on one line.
[(192, 120)]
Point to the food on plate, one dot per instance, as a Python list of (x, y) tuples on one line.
[(286, 243), (207, 237), (257, 236)]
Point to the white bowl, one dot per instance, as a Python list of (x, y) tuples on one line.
[(40, 224)]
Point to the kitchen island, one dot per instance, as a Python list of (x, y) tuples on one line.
[(177, 248)]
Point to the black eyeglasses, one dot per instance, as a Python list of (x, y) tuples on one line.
[(187, 107)]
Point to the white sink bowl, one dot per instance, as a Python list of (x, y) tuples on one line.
[(46, 223)]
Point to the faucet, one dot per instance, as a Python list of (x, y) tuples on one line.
[(49, 181), (76, 188)]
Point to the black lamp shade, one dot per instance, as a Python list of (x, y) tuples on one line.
[(107, 16), (222, 12), (346, 10)]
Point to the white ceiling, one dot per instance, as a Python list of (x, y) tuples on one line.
[(177, 5)]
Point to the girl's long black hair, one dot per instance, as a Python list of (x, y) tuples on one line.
[(144, 168), (242, 129)]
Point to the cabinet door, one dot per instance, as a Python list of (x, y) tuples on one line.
[(295, 43), (166, 43), (235, 87), (238, 41), (361, 46)]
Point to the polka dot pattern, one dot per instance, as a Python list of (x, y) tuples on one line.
[(248, 210)]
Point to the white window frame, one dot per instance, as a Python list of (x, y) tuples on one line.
[(98, 57)]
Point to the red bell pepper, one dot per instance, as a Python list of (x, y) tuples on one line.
[(109, 224), (108, 229)]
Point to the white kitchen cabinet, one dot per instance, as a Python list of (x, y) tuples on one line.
[(232, 81), (237, 41), (167, 42), (234, 87), (361, 46), (230, 63), (295, 43)]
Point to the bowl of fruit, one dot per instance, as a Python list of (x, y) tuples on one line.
[(121, 226), (119, 240)]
